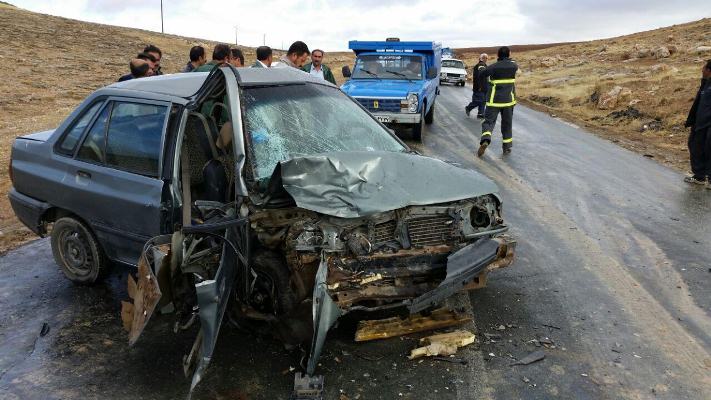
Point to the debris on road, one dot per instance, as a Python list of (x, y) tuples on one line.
[(392, 327), (450, 359), (45, 329), (444, 344), (537, 355), (307, 387)]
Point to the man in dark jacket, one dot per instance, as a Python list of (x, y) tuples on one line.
[(317, 68), (139, 69), (500, 98), (264, 57), (197, 58), (480, 86), (699, 121), (157, 55), (220, 56)]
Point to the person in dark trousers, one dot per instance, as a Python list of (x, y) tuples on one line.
[(699, 120), (479, 91), (197, 58), (264, 57), (500, 98), (157, 55)]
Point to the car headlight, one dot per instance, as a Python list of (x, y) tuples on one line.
[(412, 102)]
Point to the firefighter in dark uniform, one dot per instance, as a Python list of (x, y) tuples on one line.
[(699, 121), (479, 90), (500, 98)]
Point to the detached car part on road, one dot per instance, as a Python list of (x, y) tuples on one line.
[(264, 197)]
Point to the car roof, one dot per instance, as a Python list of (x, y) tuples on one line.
[(188, 83), (450, 58)]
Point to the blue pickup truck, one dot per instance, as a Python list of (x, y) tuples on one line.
[(396, 81)]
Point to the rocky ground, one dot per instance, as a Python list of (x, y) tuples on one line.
[(635, 90)]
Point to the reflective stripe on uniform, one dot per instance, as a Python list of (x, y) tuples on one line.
[(502, 81), (494, 82), (507, 140), (486, 134)]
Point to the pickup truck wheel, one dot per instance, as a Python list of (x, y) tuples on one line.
[(77, 252), (429, 117)]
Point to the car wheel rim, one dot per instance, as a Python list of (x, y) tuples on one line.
[(75, 254), (264, 294)]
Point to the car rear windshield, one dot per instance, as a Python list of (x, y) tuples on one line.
[(388, 66), (282, 122), (452, 64)]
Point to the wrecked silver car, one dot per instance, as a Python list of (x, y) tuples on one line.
[(281, 205)]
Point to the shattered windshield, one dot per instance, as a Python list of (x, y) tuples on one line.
[(388, 66), (287, 121), (452, 64)]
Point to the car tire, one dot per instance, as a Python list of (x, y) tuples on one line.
[(429, 117), (77, 252), (273, 273)]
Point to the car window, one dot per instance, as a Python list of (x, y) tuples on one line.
[(70, 139), (452, 64), (388, 67), (93, 147), (134, 137), (286, 121)]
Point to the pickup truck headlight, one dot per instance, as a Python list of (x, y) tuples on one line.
[(412, 102)]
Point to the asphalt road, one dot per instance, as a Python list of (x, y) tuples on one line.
[(612, 281)]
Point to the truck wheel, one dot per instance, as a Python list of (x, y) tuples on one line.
[(429, 117), (417, 130), (77, 252)]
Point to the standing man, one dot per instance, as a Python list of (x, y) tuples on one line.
[(236, 57), (501, 98), (220, 56), (317, 68), (699, 121), (295, 57), (264, 57), (197, 59), (157, 55), (480, 86)]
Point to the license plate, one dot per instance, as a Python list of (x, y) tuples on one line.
[(382, 119)]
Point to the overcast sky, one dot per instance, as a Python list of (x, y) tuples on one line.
[(329, 24)]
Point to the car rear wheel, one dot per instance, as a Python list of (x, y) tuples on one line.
[(77, 252)]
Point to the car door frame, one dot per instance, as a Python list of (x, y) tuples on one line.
[(123, 243)]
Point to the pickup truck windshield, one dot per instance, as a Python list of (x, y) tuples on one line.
[(452, 64), (285, 121), (388, 66)]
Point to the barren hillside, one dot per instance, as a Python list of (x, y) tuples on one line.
[(635, 90), (51, 64)]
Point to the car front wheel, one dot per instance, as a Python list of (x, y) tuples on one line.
[(77, 252)]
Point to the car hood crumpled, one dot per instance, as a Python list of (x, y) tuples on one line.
[(357, 184)]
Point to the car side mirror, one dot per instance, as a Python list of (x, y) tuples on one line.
[(431, 73), (346, 71)]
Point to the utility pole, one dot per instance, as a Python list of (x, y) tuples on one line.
[(161, 17), (264, 39), (235, 34)]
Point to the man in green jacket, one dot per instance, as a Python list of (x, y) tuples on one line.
[(317, 68), (220, 56)]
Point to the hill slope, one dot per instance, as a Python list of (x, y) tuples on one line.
[(657, 74)]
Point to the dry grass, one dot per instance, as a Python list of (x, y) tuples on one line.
[(566, 79)]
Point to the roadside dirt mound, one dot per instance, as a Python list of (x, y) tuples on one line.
[(655, 73)]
